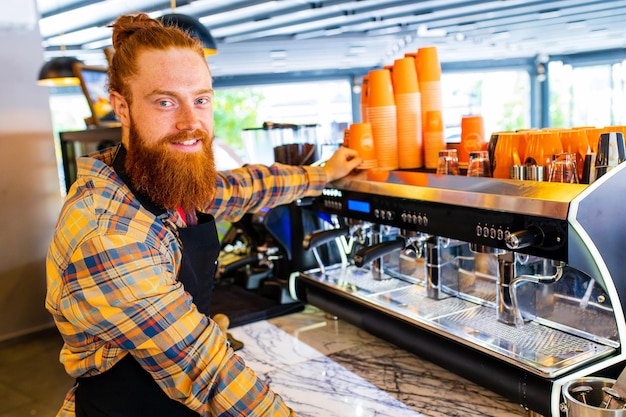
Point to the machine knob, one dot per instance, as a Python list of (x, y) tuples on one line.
[(533, 236)]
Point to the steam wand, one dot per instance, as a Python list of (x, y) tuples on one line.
[(537, 279)]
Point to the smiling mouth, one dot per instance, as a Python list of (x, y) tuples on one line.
[(189, 142)]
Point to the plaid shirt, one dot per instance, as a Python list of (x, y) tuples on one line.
[(112, 287)]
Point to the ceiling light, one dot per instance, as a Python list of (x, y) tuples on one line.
[(59, 72), (192, 26), (424, 32)]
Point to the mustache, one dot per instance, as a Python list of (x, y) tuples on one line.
[(184, 136)]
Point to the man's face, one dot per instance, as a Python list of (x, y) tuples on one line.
[(172, 93), (170, 129)]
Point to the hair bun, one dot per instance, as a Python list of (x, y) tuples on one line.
[(125, 26)]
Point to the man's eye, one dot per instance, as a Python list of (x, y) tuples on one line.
[(203, 100), (165, 103)]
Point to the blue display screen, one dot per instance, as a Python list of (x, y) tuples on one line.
[(361, 206)]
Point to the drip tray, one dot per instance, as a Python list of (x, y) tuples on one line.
[(537, 348)]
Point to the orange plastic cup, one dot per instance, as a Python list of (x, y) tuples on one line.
[(380, 88), (428, 66), (506, 154), (593, 136), (404, 76), (362, 140), (472, 136), (541, 146)]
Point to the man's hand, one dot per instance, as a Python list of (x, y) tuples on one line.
[(341, 163)]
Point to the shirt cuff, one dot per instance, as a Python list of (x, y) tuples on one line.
[(317, 180)]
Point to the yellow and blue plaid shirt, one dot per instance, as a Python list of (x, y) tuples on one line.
[(113, 290)]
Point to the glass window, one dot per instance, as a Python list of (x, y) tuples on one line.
[(579, 96), (592, 95), (501, 97), (327, 104)]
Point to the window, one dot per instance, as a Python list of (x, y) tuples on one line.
[(501, 97), (587, 95), (324, 103)]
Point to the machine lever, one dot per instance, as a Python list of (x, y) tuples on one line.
[(320, 237), (368, 254), (533, 236)]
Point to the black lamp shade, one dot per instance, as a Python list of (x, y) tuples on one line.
[(59, 71), (192, 26)]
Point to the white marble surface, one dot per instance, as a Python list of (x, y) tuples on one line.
[(325, 367)]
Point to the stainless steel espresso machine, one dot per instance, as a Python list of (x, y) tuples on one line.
[(516, 285)]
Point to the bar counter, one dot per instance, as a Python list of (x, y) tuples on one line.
[(326, 367)]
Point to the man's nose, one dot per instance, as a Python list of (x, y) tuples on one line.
[(187, 118)]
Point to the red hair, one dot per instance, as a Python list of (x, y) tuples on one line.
[(135, 33)]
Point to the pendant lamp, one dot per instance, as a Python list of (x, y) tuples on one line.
[(192, 26), (59, 72)]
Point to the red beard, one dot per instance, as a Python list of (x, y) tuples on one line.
[(172, 179)]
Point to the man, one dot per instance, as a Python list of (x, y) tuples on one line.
[(131, 263)]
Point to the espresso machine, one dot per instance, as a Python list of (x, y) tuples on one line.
[(515, 285)]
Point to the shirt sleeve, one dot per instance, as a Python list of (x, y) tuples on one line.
[(122, 292), (255, 187)]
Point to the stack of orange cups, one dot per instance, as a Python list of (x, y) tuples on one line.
[(382, 116), (361, 140), (429, 77), (409, 114), (364, 98)]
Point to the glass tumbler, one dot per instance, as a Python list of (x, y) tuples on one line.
[(448, 163), (563, 168), (479, 165)]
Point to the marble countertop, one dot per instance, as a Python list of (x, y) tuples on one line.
[(326, 367)]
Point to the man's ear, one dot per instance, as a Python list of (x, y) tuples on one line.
[(120, 107)]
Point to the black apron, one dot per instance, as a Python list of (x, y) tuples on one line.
[(127, 390)]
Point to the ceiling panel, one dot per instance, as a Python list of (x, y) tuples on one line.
[(269, 37)]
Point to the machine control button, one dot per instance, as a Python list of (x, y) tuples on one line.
[(492, 233), (420, 220), (425, 220), (500, 234), (479, 231), (389, 215), (376, 213), (485, 231)]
